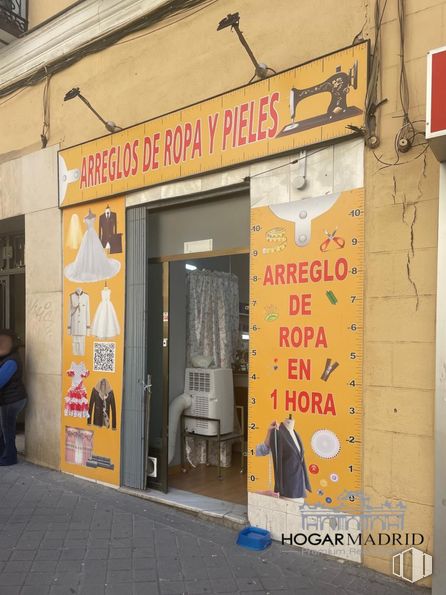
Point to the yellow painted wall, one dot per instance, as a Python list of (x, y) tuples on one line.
[(190, 61), (41, 10), (401, 227)]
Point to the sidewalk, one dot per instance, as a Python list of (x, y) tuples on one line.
[(61, 535)]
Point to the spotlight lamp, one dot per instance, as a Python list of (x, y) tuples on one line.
[(233, 21), (75, 92)]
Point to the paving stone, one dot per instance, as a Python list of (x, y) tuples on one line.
[(198, 586), (23, 555), (11, 579), (35, 590), (142, 576), (168, 587), (150, 588), (48, 555), (39, 578), (224, 585)]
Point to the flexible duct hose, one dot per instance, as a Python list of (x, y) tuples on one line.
[(176, 408)]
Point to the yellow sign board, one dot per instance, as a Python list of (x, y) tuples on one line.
[(306, 336), (307, 105), (93, 340)]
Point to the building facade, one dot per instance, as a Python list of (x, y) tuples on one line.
[(220, 209)]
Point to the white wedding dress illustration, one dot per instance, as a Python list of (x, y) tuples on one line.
[(105, 323), (91, 262)]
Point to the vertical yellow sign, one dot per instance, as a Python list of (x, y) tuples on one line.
[(93, 341), (306, 336)]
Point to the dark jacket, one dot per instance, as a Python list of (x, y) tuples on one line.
[(100, 408), (107, 228), (14, 390), (290, 470)]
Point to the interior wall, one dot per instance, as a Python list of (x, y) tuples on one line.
[(224, 220)]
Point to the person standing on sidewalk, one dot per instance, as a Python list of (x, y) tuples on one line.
[(12, 395)]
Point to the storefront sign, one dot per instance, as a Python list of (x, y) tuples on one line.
[(306, 335), (436, 101), (93, 345), (307, 105)]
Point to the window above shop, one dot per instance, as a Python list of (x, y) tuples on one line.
[(13, 19), (12, 252)]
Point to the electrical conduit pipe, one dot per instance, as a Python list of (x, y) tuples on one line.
[(176, 408)]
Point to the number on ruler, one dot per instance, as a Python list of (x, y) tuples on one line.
[(274, 398), (355, 213)]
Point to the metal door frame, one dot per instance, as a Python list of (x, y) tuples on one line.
[(161, 482), (7, 299)]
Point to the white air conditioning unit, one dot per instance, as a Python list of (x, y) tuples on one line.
[(212, 392), (152, 467)]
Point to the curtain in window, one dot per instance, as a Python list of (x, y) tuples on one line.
[(212, 316)]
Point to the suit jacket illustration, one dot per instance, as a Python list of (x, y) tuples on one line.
[(290, 471), (102, 404), (107, 228)]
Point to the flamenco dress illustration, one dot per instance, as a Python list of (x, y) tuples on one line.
[(76, 402), (105, 323), (91, 263)]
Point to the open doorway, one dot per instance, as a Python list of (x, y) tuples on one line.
[(208, 312), (12, 293), (197, 349)]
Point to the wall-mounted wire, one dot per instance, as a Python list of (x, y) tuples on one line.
[(372, 103), (405, 138), (45, 134)]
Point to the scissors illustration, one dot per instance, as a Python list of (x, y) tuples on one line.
[(331, 237)]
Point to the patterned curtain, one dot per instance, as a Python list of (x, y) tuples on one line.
[(212, 316)]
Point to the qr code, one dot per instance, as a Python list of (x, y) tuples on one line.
[(104, 357)]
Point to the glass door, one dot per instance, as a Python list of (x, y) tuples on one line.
[(157, 367)]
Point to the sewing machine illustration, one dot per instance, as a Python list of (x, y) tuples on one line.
[(338, 85)]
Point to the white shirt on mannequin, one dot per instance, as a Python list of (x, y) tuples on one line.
[(289, 425)]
